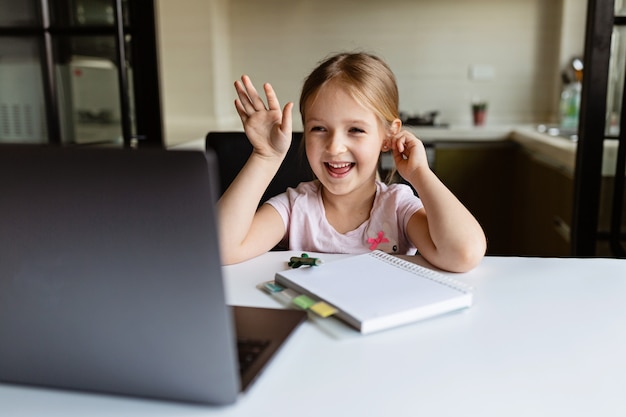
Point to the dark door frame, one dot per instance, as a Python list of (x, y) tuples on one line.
[(592, 133)]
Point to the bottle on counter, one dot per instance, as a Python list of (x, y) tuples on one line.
[(570, 106), (570, 102)]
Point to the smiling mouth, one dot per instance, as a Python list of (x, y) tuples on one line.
[(339, 169)]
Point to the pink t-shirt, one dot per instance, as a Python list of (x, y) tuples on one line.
[(307, 229)]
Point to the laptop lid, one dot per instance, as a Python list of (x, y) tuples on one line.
[(110, 276)]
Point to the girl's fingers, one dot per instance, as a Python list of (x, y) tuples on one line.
[(397, 143), (243, 115), (286, 121), (404, 142), (249, 101), (254, 98), (244, 99), (272, 100)]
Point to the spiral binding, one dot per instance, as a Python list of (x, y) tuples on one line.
[(421, 271)]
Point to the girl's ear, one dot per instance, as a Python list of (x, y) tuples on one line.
[(395, 127)]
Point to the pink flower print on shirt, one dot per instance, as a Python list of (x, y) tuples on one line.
[(375, 241)]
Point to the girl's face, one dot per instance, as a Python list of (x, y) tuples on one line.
[(343, 141)]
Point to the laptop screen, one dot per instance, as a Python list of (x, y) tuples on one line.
[(110, 275)]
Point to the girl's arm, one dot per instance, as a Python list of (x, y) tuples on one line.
[(444, 231), (246, 232)]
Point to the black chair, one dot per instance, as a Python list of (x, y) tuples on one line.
[(233, 150)]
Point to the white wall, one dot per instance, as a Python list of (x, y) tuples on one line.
[(430, 45)]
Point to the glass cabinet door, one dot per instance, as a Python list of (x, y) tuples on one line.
[(65, 72), (22, 105), (19, 13), (82, 13), (88, 89)]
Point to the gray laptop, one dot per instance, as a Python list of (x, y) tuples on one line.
[(110, 278)]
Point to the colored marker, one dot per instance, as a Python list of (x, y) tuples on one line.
[(304, 259)]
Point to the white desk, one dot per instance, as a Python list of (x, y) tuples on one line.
[(545, 337)]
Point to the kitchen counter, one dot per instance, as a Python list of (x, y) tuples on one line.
[(430, 135), (561, 151), (556, 150)]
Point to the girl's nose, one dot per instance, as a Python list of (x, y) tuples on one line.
[(336, 144)]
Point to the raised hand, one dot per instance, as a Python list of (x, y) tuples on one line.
[(268, 127), (246, 231)]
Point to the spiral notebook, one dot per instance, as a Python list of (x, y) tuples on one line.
[(376, 291)]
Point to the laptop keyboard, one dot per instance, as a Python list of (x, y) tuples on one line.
[(249, 350)]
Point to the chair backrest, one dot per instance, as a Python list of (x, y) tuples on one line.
[(233, 150)]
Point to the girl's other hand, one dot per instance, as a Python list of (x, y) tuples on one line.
[(409, 154), (267, 127)]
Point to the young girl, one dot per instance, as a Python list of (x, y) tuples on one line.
[(349, 109)]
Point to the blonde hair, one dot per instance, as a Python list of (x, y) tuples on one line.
[(366, 77)]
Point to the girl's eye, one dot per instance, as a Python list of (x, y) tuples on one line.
[(317, 129), (356, 130)]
